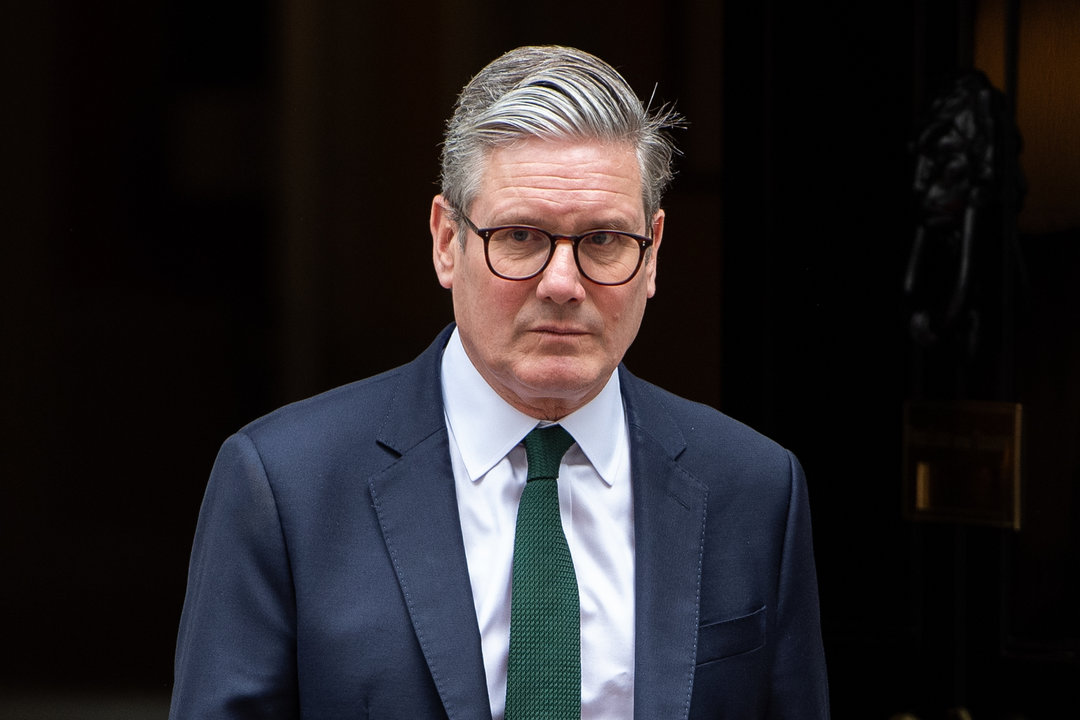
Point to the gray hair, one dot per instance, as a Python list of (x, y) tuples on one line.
[(556, 93)]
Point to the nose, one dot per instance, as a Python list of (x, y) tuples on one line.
[(561, 279)]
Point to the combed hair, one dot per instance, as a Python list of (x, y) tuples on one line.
[(556, 93)]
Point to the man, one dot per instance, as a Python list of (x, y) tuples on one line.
[(356, 552)]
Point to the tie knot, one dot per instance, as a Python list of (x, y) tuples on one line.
[(544, 448)]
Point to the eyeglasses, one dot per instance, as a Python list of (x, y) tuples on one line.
[(521, 252)]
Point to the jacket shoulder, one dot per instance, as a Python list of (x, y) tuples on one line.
[(702, 436), (355, 405), (350, 422)]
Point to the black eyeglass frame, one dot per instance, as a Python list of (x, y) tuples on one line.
[(644, 243)]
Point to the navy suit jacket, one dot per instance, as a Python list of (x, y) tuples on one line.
[(328, 576)]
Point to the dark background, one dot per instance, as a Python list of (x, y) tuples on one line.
[(211, 209)]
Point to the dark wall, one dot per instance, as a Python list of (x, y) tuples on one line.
[(135, 316), (213, 209)]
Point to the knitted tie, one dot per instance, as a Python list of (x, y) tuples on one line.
[(543, 680)]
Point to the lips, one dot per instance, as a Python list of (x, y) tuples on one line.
[(556, 330)]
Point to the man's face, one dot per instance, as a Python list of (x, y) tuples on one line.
[(548, 345)]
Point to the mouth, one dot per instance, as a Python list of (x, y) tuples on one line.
[(559, 331)]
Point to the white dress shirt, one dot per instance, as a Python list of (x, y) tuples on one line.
[(595, 505)]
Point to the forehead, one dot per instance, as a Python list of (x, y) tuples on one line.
[(534, 178)]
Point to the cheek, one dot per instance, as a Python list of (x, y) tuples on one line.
[(488, 305), (625, 317)]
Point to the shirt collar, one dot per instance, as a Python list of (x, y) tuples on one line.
[(486, 427)]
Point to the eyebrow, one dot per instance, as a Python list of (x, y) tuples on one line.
[(609, 224)]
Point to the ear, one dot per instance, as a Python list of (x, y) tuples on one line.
[(650, 259), (443, 241)]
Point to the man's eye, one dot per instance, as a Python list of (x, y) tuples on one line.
[(600, 239), (522, 235)]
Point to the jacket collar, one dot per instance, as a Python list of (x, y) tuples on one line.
[(415, 501), (669, 531)]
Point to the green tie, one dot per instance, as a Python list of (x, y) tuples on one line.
[(543, 680)]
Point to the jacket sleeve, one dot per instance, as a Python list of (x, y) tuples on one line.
[(236, 648), (799, 680)]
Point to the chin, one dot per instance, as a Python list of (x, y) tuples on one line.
[(567, 379)]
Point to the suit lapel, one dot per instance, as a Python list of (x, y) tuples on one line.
[(417, 509), (669, 523)]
